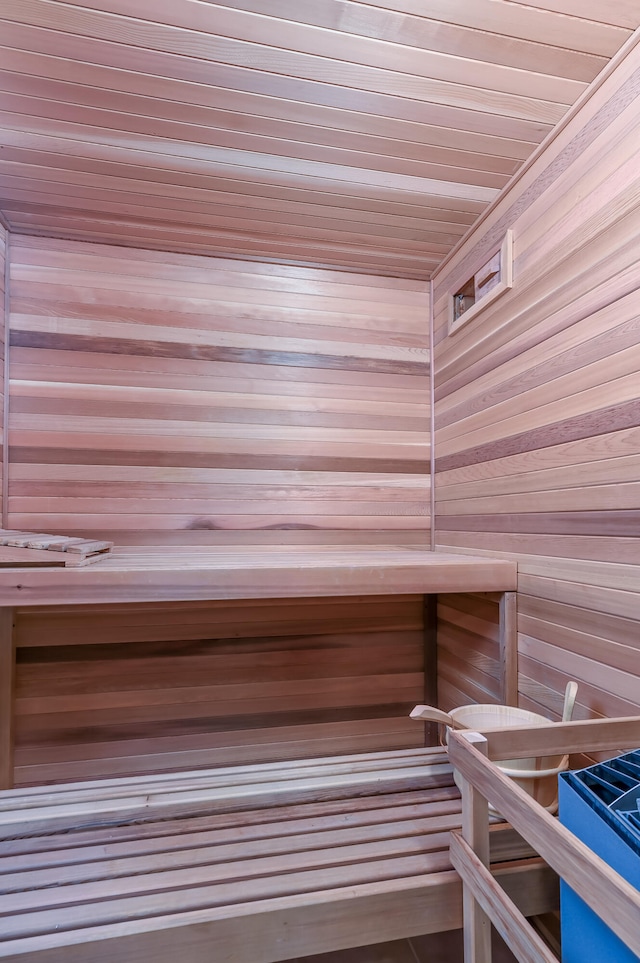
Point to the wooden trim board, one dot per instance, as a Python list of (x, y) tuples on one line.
[(154, 573)]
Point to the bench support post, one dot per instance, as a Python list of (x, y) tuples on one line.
[(475, 832), (7, 697), (430, 639), (509, 648)]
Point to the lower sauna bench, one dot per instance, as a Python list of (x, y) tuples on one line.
[(242, 864)]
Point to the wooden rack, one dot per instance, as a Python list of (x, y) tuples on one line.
[(31, 550), (602, 889), (264, 862)]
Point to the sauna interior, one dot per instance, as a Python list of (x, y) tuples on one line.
[(316, 280)]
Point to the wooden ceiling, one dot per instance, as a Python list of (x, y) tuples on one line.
[(333, 132)]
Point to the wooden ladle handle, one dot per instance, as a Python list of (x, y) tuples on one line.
[(431, 714), (569, 701)]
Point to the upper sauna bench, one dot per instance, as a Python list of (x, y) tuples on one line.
[(177, 573)]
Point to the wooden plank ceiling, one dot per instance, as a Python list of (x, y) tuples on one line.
[(330, 132)]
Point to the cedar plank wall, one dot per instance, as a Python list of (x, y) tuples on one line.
[(469, 666), (185, 399), (538, 414), (4, 243), (157, 396), (140, 688)]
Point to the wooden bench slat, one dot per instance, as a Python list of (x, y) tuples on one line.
[(393, 909), (429, 833), (368, 808), (147, 806), (235, 862), (63, 915), (393, 819), (304, 855), (255, 774), (506, 845), (203, 782)]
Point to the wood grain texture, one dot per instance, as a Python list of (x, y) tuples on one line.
[(106, 688), (334, 135), (7, 698), (607, 893), (290, 858), (537, 412), (208, 403), (304, 392), (143, 688), (4, 361), (469, 653), (179, 573)]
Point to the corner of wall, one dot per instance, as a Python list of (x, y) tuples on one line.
[(5, 240)]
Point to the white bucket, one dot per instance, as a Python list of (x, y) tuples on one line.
[(537, 776)]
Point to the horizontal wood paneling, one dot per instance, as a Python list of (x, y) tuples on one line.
[(138, 688), (538, 412), (192, 400), (4, 300), (362, 137), (162, 394)]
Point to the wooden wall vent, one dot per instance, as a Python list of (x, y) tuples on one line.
[(482, 288)]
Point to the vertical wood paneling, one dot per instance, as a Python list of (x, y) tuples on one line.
[(138, 688), (538, 409), (168, 397)]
